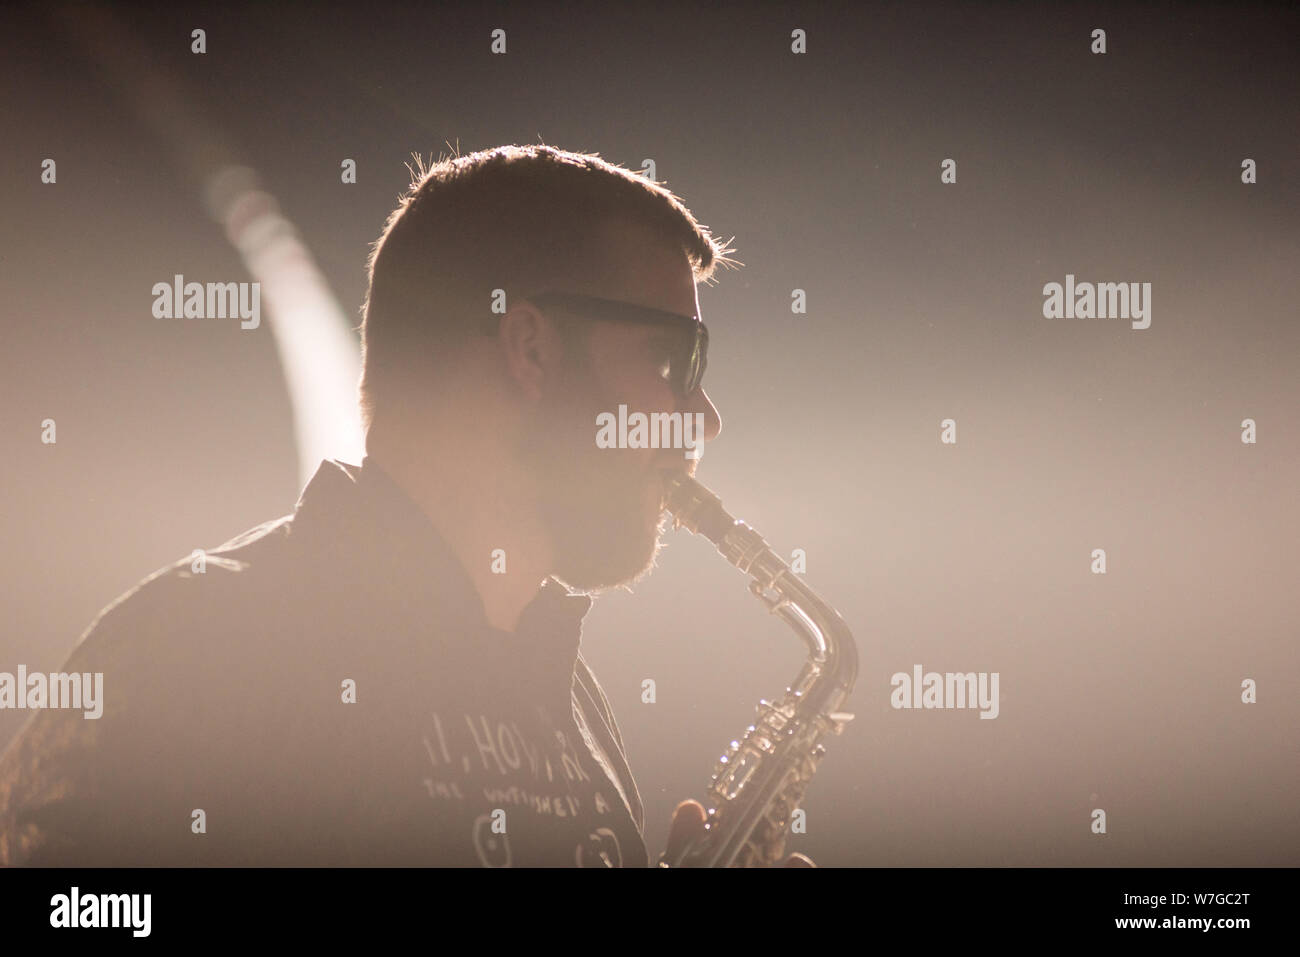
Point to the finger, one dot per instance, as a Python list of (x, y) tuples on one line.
[(687, 826), (799, 860)]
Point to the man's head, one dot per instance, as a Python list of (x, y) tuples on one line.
[(516, 222)]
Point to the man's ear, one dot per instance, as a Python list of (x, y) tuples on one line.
[(532, 347)]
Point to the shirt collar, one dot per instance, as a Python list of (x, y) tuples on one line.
[(364, 511)]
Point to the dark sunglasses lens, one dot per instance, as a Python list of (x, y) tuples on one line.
[(693, 367)]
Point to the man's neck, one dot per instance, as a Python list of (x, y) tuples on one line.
[(486, 520)]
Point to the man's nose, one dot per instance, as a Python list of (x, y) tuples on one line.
[(700, 402)]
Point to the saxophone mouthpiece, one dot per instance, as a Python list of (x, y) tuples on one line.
[(697, 509)]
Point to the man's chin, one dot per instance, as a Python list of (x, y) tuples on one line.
[(609, 536), (612, 562)]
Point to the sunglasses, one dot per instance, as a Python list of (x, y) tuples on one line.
[(688, 353)]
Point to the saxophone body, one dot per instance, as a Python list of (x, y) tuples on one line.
[(760, 780)]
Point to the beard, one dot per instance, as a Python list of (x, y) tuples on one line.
[(602, 508)]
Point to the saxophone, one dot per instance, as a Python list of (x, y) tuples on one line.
[(760, 780)]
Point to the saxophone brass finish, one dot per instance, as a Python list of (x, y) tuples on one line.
[(760, 780)]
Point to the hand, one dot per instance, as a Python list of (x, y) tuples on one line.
[(688, 825)]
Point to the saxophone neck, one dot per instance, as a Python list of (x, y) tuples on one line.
[(831, 648)]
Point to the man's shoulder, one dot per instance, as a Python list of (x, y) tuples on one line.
[(261, 539), (163, 658), (197, 587)]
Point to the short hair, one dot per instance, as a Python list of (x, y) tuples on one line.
[(519, 218)]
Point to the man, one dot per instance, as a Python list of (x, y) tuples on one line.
[(392, 675)]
